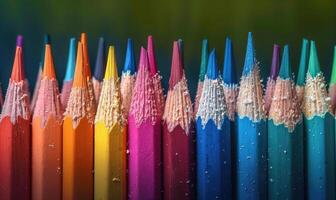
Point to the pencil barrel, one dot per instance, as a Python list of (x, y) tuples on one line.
[(110, 162), (285, 162), (251, 159), (178, 163), (214, 177), (15, 160), (320, 153), (144, 161), (46, 160), (77, 160)]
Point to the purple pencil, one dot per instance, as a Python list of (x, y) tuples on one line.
[(144, 130)]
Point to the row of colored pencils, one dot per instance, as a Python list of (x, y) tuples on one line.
[(106, 137)]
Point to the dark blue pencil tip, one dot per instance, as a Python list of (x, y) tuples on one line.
[(275, 62), (229, 72), (249, 57), (129, 65), (204, 60), (285, 69), (47, 39), (212, 71), (100, 60)]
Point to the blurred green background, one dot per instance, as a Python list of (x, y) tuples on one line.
[(271, 21)]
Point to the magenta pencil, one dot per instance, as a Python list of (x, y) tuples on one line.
[(144, 131), (178, 133), (155, 75)]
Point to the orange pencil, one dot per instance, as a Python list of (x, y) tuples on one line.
[(87, 69), (15, 135), (47, 135), (78, 136)]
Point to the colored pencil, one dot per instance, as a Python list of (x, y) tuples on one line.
[(78, 136), (320, 146), (300, 81), (332, 85), (285, 138), (87, 69), (110, 137), (127, 79), (230, 86), (213, 139), (39, 76), (70, 70), (251, 132), (270, 86), (47, 135), (99, 72), (155, 75), (144, 133), (204, 63), (178, 135), (15, 171)]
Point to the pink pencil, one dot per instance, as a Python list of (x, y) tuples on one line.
[(144, 130)]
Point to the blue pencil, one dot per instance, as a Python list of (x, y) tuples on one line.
[(69, 74), (251, 132), (213, 138), (99, 72), (230, 86), (320, 144), (285, 138)]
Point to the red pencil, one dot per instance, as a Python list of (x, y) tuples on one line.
[(15, 136), (153, 70), (178, 132)]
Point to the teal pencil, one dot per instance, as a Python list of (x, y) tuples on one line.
[(300, 81), (285, 138), (320, 144)]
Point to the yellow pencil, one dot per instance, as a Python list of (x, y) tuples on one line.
[(110, 138)]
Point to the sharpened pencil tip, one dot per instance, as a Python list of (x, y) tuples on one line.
[(204, 60), (49, 68), (100, 60), (212, 71), (275, 62), (47, 39), (71, 64), (285, 69), (229, 73), (249, 56), (151, 55), (303, 63), (333, 73), (313, 66), (143, 63), (19, 41), (176, 66), (129, 59), (111, 66)]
